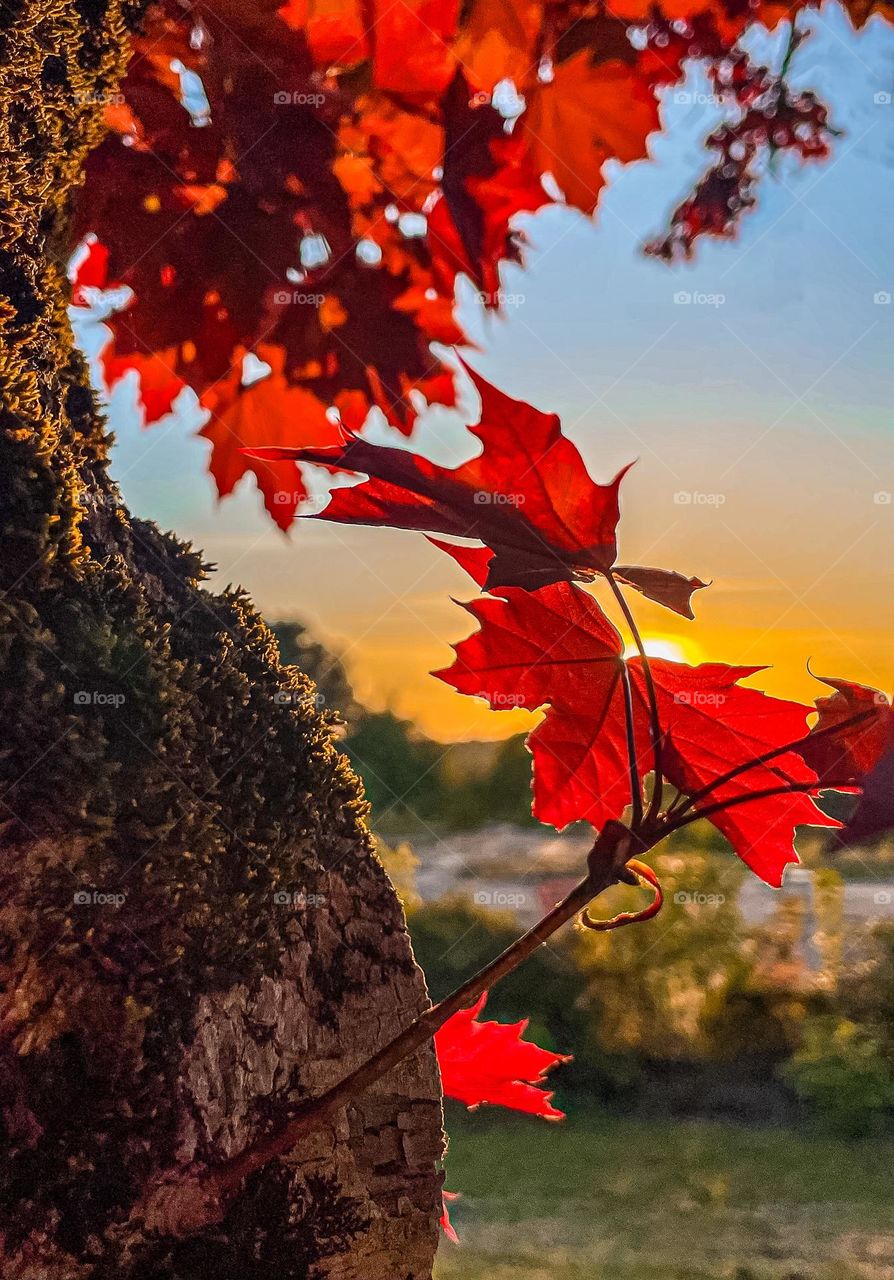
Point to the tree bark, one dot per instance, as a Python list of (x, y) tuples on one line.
[(194, 930)]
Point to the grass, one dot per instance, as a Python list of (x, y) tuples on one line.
[(610, 1199)]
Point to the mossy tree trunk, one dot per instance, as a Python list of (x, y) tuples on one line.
[(194, 929)]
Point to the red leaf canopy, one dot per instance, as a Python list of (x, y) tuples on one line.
[(313, 176)]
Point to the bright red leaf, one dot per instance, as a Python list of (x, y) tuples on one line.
[(489, 1062), (445, 1223), (853, 742), (351, 158), (241, 415), (555, 648)]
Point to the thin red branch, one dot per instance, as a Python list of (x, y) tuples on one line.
[(182, 1206)]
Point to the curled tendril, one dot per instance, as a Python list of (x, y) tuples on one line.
[(645, 877)]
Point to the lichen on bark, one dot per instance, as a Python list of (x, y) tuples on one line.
[(194, 930)]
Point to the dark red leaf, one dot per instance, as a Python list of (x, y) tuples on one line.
[(854, 726), (527, 496)]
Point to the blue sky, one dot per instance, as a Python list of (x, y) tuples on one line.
[(769, 405)]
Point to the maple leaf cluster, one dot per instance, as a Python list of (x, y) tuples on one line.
[(288, 192), (544, 528)]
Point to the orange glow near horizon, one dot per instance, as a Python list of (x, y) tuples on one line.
[(394, 675)]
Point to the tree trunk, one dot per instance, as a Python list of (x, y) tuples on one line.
[(195, 930)]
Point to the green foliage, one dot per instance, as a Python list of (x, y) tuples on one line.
[(842, 1074), (412, 782), (659, 996)]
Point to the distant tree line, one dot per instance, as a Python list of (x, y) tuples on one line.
[(412, 782)]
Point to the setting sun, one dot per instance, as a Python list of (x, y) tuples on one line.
[(669, 647)]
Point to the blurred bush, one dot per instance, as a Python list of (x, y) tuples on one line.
[(841, 1073)]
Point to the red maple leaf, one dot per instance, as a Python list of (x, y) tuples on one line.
[(527, 496), (489, 1062), (242, 414), (89, 269), (158, 387), (853, 742), (874, 814), (854, 726), (444, 1222), (556, 648)]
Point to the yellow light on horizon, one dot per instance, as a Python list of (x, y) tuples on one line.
[(668, 647)]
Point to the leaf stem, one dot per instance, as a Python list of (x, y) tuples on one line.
[(791, 788), (765, 758), (654, 720), (636, 786)]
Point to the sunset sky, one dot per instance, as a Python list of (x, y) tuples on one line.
[(760, 413)]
